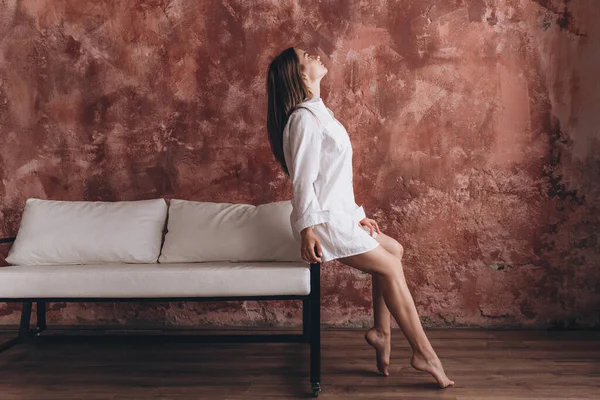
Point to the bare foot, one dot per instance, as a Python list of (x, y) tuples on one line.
[(433, 365), (381, 342)]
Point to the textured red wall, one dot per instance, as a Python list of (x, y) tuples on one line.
[(475, 126)]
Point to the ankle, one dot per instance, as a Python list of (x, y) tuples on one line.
[(426, 352), (382, 331)]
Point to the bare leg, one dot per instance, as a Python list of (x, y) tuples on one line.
[(380, 335), (401, 305)]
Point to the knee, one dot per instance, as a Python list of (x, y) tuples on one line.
[(397, 249), (391, 271)]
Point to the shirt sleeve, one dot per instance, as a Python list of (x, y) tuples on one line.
[(305, 139), (359, 212)]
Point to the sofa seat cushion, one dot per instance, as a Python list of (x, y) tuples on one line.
[(123, 280)]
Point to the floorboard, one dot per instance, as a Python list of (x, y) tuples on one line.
[(485, 364)]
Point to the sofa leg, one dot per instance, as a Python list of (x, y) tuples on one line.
[(41, 316), (315, 329), (25, 320), (306, 319)]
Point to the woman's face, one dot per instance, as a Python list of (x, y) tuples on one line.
[(310, 66)]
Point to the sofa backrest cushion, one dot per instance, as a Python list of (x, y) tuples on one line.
[(89, 232), (208, 231)]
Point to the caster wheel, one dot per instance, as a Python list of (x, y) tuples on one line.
[(316, 388)]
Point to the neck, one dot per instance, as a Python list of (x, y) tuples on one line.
[(315, 89)]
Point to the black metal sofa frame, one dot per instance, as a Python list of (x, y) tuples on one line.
[(311, 322)]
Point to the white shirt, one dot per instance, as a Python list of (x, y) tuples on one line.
[(318, 154)]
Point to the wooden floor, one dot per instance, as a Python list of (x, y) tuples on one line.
[(484, 365)]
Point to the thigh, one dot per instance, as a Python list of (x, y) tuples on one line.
[(377, 261), (390, 244)]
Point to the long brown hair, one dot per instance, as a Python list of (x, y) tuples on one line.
[(285, 90)]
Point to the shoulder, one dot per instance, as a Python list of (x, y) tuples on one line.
[(301, 117), (302, 113)]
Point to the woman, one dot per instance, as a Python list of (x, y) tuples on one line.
[(314, 150)]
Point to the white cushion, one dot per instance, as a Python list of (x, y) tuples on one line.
[(85, 232), (208, 231), (155, 280)]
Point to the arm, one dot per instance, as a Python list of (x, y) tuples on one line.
[(359, 213), (305, 148)]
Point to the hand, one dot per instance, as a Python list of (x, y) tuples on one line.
[(371, 224), (309, 242)]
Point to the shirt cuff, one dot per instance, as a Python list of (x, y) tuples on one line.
[(311, 219)]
